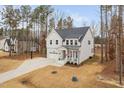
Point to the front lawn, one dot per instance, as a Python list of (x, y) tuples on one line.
[(7, 64), (61, 77)]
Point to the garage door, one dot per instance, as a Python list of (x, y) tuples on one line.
[(53, 54)]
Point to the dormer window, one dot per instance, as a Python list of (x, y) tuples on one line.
[(67, 42), (75, 42), (56, 42), (50, 42), (71, 42)]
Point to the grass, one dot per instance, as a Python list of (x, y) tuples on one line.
[(43, 78), (89, 61), (8, 64), (21, 57), (51, 76), (11, 62), (92, 60)]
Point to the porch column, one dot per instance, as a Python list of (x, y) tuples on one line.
[(69, 54), (66, 56), (78, 53), (72, 55)]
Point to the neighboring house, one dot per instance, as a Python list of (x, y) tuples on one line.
[(73, 46), (2, 40), (10, 43), (19, 45), (6, 45)]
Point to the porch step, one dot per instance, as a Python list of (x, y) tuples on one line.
[(63, 62), (72, 62)]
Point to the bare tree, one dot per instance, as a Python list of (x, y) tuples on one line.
[(94, 29), (101, 11), (119, 42), (106, 33)]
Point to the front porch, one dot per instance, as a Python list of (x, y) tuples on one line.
[(69, 55)]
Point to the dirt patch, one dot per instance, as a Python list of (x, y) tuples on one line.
[(54, 72), (109, 73), (28, 83)]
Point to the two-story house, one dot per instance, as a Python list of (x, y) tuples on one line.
[(10, 41), (73, 46)]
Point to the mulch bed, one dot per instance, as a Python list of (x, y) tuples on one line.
[(54, 72)]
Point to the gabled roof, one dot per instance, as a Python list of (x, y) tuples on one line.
[(78, 32), (12, 37)]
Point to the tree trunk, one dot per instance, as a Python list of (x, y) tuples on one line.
[(101, 34), (106, 35), (119, 44)]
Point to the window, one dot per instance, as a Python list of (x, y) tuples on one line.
[(71, 42), (75, 42), (50, 42), (56, 42), (66, 42), (89, 42)]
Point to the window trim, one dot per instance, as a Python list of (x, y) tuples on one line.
[(76, 43), (50, 42), (57, 42), (89, 42), (71, 42), (67, 42)]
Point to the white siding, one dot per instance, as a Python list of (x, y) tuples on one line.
[(86, 50), (54, 36), (52, 49), (6, 47), (2, 44)]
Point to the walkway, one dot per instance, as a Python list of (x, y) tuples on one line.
[(28, 66)]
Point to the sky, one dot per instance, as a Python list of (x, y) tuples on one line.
[(81, 14)]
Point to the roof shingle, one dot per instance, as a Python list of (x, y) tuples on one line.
[(78, 33)]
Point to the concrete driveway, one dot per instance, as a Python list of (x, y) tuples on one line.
[(28, 66)]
